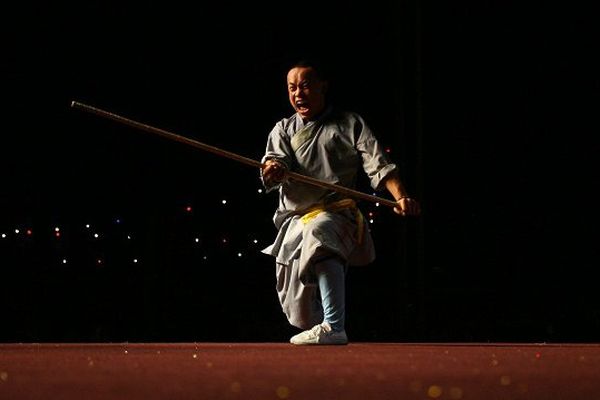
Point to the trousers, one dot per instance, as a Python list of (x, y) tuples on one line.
[(323, 300)]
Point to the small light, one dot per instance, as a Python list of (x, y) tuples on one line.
[(135, 260), (29, 232), (370, 221), (99, 261), (260, 190), (239, 254), (64, 260), (283, 392), (505, 380), (96, 235), (204, 258), (117, 221), (456, 393), (434, 391), (4, 236), (371, 214), (224, 240), (17, 231), (57, 229), (57, 234), (388, 150), (224, 201), (128, 237), (197, 240), (87, 226), (376, 204), (188, 209), (255, 241)]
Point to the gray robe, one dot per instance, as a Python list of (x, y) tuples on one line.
[(332, 149)]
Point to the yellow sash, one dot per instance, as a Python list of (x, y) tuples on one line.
[(312, 212)]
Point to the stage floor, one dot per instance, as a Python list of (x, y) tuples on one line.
[(281, 371)]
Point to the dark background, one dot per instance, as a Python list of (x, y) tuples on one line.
[(490, 110)]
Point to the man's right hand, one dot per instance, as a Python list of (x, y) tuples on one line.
[(273, 172)]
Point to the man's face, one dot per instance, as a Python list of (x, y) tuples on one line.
[(306, 92)]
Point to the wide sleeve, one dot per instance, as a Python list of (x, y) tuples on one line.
[(278, 148), (376, 163)]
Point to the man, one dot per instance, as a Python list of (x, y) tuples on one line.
[(321, 232)]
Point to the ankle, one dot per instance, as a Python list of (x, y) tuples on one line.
[(332, 327)]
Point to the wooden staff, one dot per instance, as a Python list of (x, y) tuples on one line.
[(227, 154)]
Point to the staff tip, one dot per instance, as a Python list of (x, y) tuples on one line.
[(73, 103)]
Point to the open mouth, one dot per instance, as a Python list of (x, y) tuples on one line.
[(302, 105)]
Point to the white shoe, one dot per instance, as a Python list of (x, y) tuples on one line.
[(320, 334)]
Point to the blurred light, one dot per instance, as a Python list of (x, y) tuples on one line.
[(17, 231), (29, 232), (56, 229), (188, 209), (64, 260), (135, 260), (224, 201), (197, 240), (128, 237), (224, 240), (434, 391), (96, 235), (239, 254), (456, 393), (376, 204), (57, 234), (283, 392), (260, 190), (118, 221), (3, 235), (255, 241), (505, 380), (370, 221), (388, 150), (99, 261), (87, 226)]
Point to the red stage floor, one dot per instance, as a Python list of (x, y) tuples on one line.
[(281, 371)]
